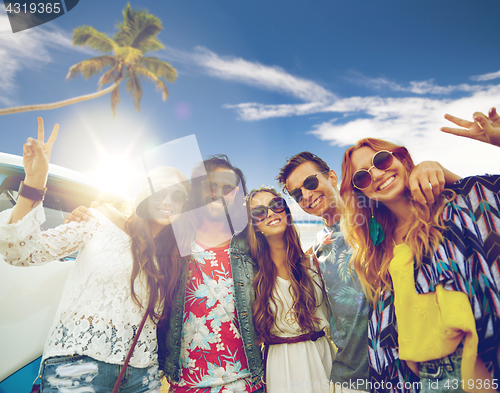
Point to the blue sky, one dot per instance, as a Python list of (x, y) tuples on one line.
[(263, 80)]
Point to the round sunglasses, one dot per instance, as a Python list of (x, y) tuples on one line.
[(310, 183), (259, 213), (381, 160)]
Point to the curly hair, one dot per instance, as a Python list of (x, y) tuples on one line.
[(372, 262), (302, 285)]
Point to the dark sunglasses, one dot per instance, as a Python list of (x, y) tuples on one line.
[(211, 187), (381, 160), (310, 183), (259, 213)]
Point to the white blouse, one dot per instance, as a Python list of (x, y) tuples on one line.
[(96, 316), (284, 299), (304, 366)]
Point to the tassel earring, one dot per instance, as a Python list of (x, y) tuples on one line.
[(376, 231)]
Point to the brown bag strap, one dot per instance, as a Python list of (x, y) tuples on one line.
[(129, 355), (35, 388)]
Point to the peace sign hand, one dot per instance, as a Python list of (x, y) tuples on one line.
[(36, 156), (484, 129)]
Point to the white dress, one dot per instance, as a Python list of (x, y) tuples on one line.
[(96, 315), (301, 367)]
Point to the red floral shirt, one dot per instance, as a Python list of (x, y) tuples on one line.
[(212, 354)]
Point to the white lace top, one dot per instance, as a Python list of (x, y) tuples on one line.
[(96, 316)]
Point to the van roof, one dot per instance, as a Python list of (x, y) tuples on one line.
[(15, 163), (60, 179)]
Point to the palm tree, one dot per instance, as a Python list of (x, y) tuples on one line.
[(123, 55)]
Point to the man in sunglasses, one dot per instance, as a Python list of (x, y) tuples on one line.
[(313, 185), (210, 340)]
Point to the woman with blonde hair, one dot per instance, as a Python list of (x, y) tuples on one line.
[(430, 271), (290, 311), (127, 272)]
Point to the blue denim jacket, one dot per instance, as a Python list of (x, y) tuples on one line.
[(169, 337)]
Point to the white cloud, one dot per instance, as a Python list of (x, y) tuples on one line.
[(415, 123), (27, 50), (254, 111), (266, 77), (415, 87), (486, 77)]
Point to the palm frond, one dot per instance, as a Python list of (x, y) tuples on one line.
[(151, 45), (115, 100), (128, 55), (108, 77), (139, 30), (160, 68), (134, 87), (159, 84), (87, 35), (90, 67), (127, 14)]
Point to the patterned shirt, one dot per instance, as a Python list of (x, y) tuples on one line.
[(468, 260), (349, 316), (212, 355)]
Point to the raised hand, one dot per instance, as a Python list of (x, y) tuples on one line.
[(483, 128), (36, 156)]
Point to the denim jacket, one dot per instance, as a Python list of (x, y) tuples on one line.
[(169, 337)]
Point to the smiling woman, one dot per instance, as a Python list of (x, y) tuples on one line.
[(28, 317), (290, 311), (432, 279), (127, 271)]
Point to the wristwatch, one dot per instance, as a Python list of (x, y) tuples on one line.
[(33, 194)]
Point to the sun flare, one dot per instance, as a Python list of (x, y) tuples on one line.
[(112, 175)]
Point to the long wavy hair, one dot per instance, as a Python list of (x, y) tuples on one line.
[(302, 285), (157, 260), (372, 262)]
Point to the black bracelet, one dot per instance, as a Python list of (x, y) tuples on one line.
[(33, 194)]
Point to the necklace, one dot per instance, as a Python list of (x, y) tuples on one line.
[(290, 315)]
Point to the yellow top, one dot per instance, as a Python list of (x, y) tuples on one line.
[(431, 325)]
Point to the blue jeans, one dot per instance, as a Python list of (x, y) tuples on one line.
[(442, 375), (85, 374)]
